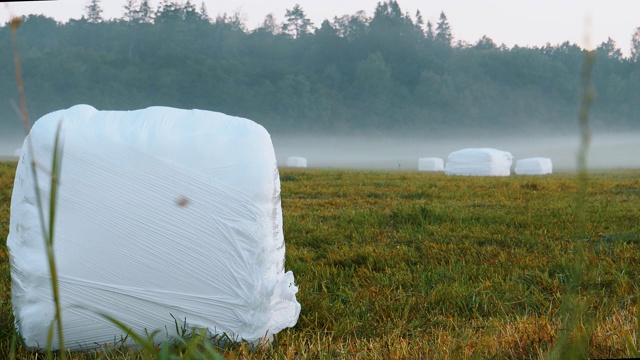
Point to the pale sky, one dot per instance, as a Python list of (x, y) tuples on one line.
[(521, 22)]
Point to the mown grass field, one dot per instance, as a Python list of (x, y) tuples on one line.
[(408, 265)]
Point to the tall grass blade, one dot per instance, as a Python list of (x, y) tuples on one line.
[(631, 347), (15, 23), (12, 348), (634, 348), (211, 352), (53, 197), (50, 335), (55, 175), (573, 308)]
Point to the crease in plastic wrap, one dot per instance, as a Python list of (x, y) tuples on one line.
[(162, 213), (479, 162)]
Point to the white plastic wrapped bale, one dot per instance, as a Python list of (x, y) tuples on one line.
[(479, 162), (17, 152), (296, 161), (162, 213), (534, 166), (430, 164)]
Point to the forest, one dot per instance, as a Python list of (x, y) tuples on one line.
[(388, 73)]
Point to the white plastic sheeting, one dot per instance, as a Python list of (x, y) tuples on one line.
[(296, 161), (534, 166), (479, 162), (161, 213), (430, 164)]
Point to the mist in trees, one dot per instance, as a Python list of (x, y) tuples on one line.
[(386, 73)]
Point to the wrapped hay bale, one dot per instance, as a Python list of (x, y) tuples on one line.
[(534, 166), (162, 213), (430, 164), (296, 161), (479, 162)]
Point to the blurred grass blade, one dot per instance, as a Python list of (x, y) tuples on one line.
[(634, 349), (56, 164), (570, 344), (50, 340), (55, 181), (145, 344), (15, 23), (193, 343), (211, 352), (14, 344), (55, 171), (631, 347)]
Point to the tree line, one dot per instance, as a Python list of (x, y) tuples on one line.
[(386, 73)]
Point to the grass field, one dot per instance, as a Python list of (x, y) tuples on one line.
[(407, 265)]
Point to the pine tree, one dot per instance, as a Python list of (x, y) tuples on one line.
[(190, 12), (430, 34), (94, 12), (635, 45), (297, 22), (131, 14), (145, 13), (443, 31), (419, 21), (204, 14)]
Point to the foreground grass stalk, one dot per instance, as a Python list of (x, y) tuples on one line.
[(635, 348), (55, 173), (573, 307), (585, 138), (55, 176)]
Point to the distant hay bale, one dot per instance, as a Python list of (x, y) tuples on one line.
[(479, 162), (430, 164), (296, 161), (534, 166)]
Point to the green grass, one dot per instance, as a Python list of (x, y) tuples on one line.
[(410, 265)]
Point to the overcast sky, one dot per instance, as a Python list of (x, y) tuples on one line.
[(521, 22)]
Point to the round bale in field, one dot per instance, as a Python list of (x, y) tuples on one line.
[(296, 161), (430, 164), (534, 166), (479, 162), (162, 214)]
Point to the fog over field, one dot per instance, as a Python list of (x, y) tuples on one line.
[(9, 143), (607, 151)]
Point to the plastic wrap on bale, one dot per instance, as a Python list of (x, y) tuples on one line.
[(430, 164), (162, 214), (534, 166), (297, 161)]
